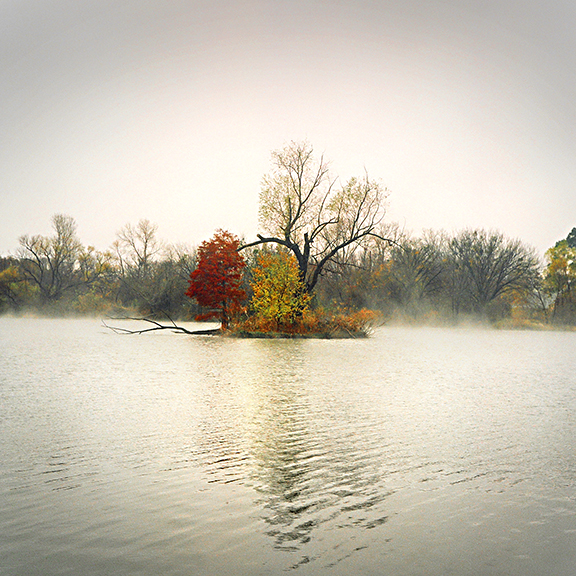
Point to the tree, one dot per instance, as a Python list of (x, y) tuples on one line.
[(560, 280), (166, 288), (136, 251), (490, 266), (49, 262), (571, 238), (169, 283), (136, 248), (216, 282), (415, 273), (14, 290), (279, 295), (302, 210), (59, 264)]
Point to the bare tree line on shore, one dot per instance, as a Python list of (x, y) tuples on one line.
[(435, 276), (347, 255)]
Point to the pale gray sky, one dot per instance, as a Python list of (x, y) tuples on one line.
[(112, 111)]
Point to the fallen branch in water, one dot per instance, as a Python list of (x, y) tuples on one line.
[(157, 326)]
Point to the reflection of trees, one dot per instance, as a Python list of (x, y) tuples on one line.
[(266, 425), (309, 472)]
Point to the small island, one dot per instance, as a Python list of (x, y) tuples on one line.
[(279, 306)]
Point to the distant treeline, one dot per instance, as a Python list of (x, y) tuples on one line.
[(433, 278), (58, 275), (474, 274)]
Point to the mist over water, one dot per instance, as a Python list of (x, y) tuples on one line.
[(417, 451)]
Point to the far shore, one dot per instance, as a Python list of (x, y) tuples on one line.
[(504, 324)]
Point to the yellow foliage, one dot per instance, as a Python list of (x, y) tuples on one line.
[(280, 296)]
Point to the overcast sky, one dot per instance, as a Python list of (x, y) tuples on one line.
[(113, 111)]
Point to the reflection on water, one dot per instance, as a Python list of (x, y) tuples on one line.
[(307, 473), (417, 451)]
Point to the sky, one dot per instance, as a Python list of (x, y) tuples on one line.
[(115, 111)]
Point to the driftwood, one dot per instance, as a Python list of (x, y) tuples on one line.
[(157, 326)]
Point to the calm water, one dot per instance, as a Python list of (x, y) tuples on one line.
[(415, 452)]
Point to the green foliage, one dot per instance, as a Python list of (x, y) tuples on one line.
[(571, 238)]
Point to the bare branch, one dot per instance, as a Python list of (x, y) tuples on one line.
[(262, 240), (302, 211), (157, 326)]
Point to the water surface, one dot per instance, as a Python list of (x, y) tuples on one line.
[(416, 452)]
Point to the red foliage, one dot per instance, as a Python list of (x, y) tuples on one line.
[(217, 279)]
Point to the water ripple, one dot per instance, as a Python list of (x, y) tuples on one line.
[(416, 451)]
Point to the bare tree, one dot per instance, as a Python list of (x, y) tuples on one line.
[(491, 265), (51, 263), (166, 289), (303, 210), (416, 272), (153, 277), (136, 247)]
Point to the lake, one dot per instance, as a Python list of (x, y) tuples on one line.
[(418, 451)]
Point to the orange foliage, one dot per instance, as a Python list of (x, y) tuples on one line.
[(341, 323)]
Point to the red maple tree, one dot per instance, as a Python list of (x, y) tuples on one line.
[(216, 282)]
